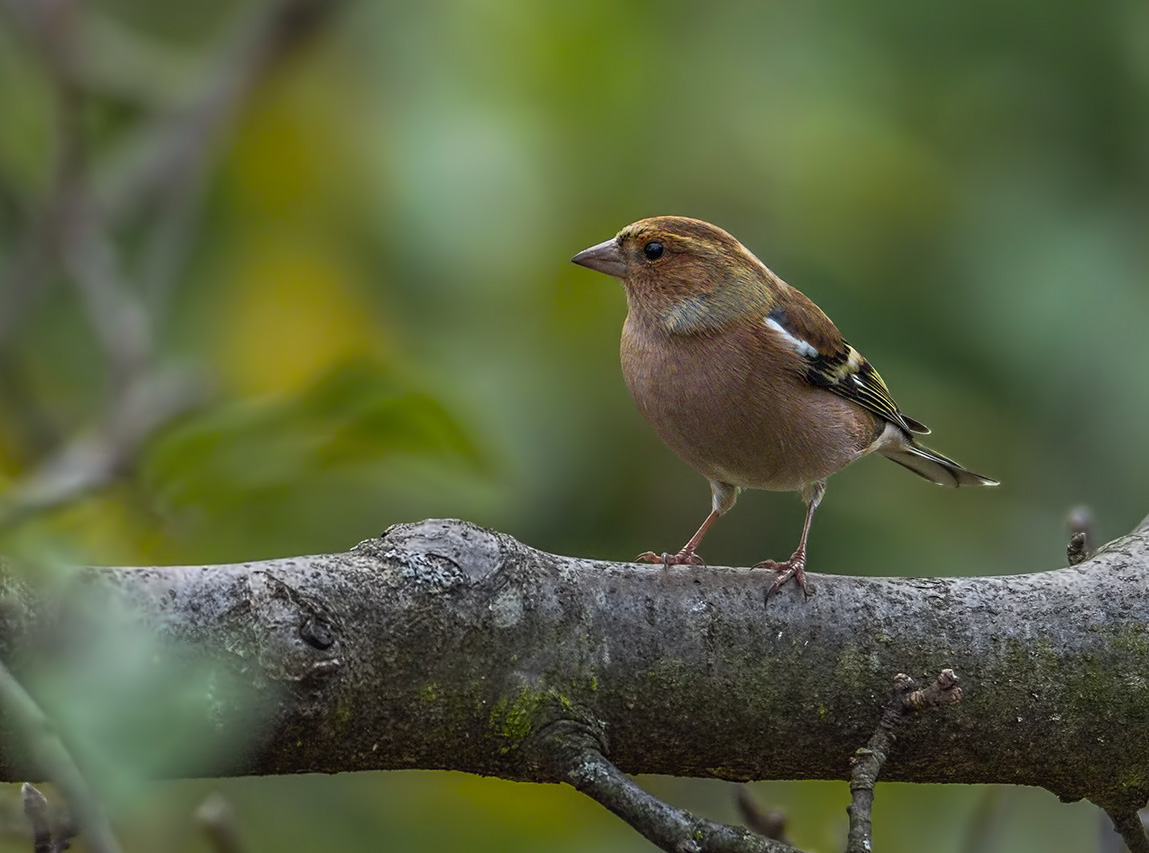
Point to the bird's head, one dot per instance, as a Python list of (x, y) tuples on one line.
[(683, 273)]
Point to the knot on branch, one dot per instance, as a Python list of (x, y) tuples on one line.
[(560, 744), (436, 553), (944, 691), (307, 655)]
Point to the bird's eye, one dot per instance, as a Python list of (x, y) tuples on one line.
[(653, 251)]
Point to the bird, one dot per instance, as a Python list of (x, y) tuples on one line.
[(746, 379)]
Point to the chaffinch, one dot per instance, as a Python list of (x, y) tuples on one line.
[(746, 379)]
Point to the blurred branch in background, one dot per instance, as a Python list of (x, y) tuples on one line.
[(217, 819), (51, 757), (768, 822), (154, 181), (91, 460)]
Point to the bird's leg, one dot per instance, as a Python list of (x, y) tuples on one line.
[(724, 496), (686, 556), (795, 567)]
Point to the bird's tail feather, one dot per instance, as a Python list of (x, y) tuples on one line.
[(934, 467)]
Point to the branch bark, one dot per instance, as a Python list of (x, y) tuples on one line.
[(443, 645)]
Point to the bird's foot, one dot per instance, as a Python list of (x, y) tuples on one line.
[(682, 558), (794, 568)]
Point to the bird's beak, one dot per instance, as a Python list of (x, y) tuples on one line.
[(605, 257)]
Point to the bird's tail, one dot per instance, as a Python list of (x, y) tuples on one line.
[(934, 467)]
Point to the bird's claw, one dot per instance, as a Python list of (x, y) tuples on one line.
[(682, 558), (794, 568)]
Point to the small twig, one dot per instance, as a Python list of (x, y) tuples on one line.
[(45, 839), (36, 810), (217, 819), (868, 760), (1080, 524), (770, 823), (1131, 830), (53, 758), (579, 761)]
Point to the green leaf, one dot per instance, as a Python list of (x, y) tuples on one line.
[(357, 414)]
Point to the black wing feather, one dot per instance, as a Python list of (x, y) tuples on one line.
[(836, 366)]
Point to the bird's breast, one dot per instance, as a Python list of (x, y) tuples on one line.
[(738, 411)]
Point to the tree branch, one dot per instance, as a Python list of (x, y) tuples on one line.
[(39, 817), (36, 810), (1132, 831), (869, 760), (443, 645), (578, 759)]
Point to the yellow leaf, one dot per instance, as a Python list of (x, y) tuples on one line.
[(293, 311)]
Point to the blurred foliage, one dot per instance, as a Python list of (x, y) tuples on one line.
[(379, 285), (256, 451)]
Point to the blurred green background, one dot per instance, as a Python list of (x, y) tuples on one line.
[(378, 286)]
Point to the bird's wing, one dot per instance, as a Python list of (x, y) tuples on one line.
[(833, 364)]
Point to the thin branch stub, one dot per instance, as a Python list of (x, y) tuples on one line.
[(867, 761)]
